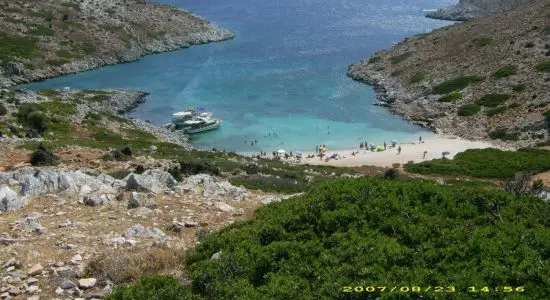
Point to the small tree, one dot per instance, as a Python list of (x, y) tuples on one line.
[(391, 174), (43, 157)]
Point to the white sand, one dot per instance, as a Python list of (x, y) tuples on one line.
[(412, 151)]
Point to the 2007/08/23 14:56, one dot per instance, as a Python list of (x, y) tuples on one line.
[(436, 289)]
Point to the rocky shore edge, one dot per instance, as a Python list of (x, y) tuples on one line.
[(470, 9)]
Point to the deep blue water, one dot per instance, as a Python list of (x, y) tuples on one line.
[(284, 73)]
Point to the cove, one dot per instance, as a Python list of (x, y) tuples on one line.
[(283, 74)]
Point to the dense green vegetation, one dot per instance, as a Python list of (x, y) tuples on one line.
[(450, 97), (374, 58), (455, 84), (12, 47), (41, 30), (486, 163), (371, 232), (3, 109), (467, 110), (546, 115), (483, 41), (399, 58), (492, 100), (506, 71), (543, 66), (418, 77)]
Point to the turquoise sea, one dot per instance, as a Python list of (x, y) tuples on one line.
[(282, 81)]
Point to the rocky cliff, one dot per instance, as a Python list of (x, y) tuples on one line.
[(43, 39), (486, 78), (470, 9)]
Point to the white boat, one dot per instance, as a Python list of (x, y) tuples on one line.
[(201, 124), (195, 121)]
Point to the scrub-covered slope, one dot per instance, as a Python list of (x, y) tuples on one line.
[(486, 78), (42, 39)]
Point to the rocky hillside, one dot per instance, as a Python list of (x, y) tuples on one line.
[(470, 9), (42, 39), (484, 79)]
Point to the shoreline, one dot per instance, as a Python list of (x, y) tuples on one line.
[(410, 151)]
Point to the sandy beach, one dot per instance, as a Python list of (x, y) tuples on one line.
[(412, 151)]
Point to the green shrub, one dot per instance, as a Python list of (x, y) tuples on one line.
[(3, 109), (529, 45), (518, 88), (468, 110), (483, 41), (502, 134), (543, 66), (487, 163), (450, 97), (506, 71), (418, 77), (455, 84), (391, 174), (89, 48), (399, 58), (40, 30), (12, 47), (151, 288), (198, 167), (492, 100), (546, 115), (43, 157), (370, 232), (396, 72), (497, 110), (514, 105), (374, 58)]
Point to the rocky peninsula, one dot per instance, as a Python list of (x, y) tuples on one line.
[(483, 79), (471, 9), (44, 39)]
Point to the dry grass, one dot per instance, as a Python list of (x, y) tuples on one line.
[(126, 266)]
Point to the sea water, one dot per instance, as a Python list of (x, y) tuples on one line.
[(282, 81)]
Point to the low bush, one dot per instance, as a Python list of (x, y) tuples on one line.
[(152, 288), (399, 58), (483, 41), (496, 111), (198, 167), (492, 100), (374, 59), (468, 110), (546, 115), (391, 174), (518, 88), (543, 66), (418, 77), (456, 84), (506, 71), (450, 97), (503, 134), (3, 109), (396, 72), (487, 163), (43, 157)]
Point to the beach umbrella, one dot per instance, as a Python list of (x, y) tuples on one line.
[(281, 151)]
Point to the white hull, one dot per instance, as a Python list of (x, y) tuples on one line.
[(204, 128)]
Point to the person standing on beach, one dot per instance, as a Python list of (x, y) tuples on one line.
[(420, 139), (316, 148), (425, 152), (399, 150), (385, 145)]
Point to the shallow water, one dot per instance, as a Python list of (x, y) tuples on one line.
[(284, 73)]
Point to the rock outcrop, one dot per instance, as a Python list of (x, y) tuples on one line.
[(471, 9)]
